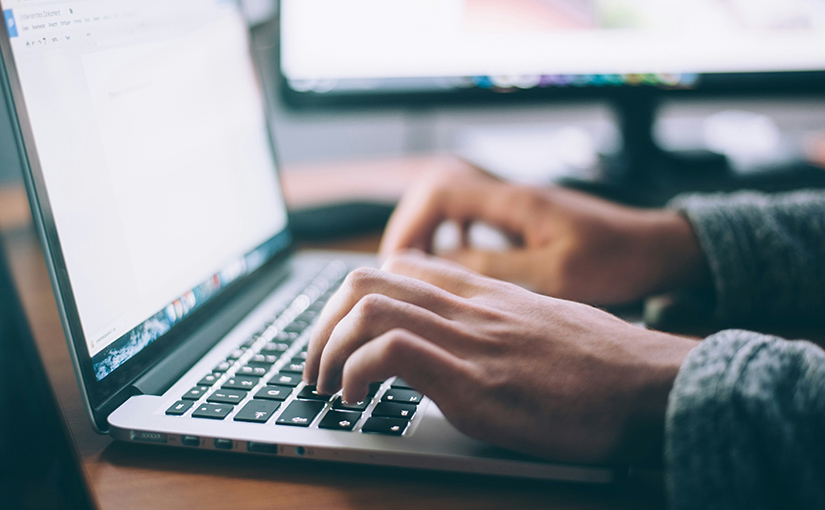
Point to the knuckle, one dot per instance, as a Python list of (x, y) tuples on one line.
[(434, 183), (392, 263), (396, 345), (360, 278), (529, 203), (488, 315), (401, 259), (371, 306)]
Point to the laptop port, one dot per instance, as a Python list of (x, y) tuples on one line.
[(148, 437), (223, 444), (262, 448), (190, 440)]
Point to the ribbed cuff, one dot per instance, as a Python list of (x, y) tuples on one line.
[(725, 240)]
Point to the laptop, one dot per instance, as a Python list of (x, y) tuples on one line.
[(154, 187), (39, 465)]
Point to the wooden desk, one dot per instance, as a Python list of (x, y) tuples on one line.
[(127, 476)]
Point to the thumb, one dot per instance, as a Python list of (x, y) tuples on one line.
[(514, 265)]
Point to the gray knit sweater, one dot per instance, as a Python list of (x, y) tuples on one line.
[(745, 424)]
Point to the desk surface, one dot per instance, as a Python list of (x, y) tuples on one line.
[(126, 476)]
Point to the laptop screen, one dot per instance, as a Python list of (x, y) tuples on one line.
[(149, 126)]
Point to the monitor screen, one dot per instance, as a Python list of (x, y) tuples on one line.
[(148, 129), (334, 46)]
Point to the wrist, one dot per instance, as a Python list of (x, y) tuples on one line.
[(662, 355), (673, 245)]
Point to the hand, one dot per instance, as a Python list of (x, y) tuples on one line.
[(527, 372), (569, 244)]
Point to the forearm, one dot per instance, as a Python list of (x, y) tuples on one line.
[(765, 253), (745, 425)]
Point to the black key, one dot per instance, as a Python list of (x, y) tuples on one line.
[(278, 393), (402, 396), (389, 426), (212, 411), (307, 316), (318, 304), (262, 330), (179, 407), (339, 420), (224, 396), (241, 382), (252, 370), (293, 369), (255, 364), (275, 348), (264, 359), (309, 393), (300, 413), (399, 383), (223, 366), (285, 380), (352, 406), (373, 389), (195, 393), (286, 336), (296, 368), (209, 380), (296, 326), (257, 411), (389, 410), (237, 353)]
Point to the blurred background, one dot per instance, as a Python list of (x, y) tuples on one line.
[(522, 140)]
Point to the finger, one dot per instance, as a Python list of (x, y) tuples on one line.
[(511, 265), (430, 369), (373, 316), (462, 199), (365, 281), (447, 275)]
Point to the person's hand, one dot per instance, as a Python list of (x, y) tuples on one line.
[(527, 372), (568, 244)]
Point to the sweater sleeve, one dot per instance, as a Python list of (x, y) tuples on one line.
[(745, 425), (766, 253)]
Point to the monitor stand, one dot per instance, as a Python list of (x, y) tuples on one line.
[(643, 174)]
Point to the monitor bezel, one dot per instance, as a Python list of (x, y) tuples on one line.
[(790, 84), (101, 396), (709, 85)]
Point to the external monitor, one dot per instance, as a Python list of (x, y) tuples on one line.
[(411, 52)]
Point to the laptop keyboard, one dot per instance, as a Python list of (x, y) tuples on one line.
[(260, 381)]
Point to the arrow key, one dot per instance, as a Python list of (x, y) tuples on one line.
[(257, 411)]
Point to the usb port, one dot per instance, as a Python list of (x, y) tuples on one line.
[(223, 444), (148, 437), (262, 448), (190, 440)]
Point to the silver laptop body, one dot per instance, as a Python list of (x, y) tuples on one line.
[(149, 165)]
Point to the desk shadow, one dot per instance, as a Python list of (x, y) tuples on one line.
[(366, 487)]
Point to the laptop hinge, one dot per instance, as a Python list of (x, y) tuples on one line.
[(167, 371)]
